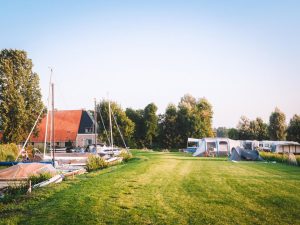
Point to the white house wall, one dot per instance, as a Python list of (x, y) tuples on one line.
[(82, 139)]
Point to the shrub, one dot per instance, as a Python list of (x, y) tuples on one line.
[(8, 152), (95, 162), (126, 155), (35, 179), (14, 190)]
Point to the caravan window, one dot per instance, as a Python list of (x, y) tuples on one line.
[(193, 144), (223, 146), (211, 145)]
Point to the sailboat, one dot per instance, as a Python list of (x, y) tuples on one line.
[(111, 150)]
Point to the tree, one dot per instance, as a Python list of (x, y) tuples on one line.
[(194, 119), (293, 130), (252, 129), (222, 132), (151, 124), (20, 95), (126, 126), (261, 130), (244, 128), (137, 117), (168, 128), (233, 134), (277, 126), (204, 114)]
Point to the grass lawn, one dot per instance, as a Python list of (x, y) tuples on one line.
[(167, 188)]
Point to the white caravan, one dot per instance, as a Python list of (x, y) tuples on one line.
[(212, 146)]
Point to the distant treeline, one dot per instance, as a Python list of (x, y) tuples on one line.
[(257, 129), (144, 128)]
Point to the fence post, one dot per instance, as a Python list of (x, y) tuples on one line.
[(29, 189)]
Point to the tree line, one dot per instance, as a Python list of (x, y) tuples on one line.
[(257, 129), (144, 128)]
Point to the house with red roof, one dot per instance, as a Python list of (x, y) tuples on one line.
[(70, 126)]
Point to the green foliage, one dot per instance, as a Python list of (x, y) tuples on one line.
[(252, 129), (269, 156), (15, 189), (137, 117), (125, 124), (233, 133), (194, 119), (8, 152), (20, 95), (260, 130), (281, 158), (95, 162), (126, 155), (151, 124), (293, 130), (35, 179), (277, 126), (168, 128), (222, 132)]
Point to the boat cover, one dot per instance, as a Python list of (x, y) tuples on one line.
[(23, 171)]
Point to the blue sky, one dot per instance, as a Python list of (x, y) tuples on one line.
[(243, 56)]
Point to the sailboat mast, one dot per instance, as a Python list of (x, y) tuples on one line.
[(110, 125), (47, 119), (95, 123), (52, 126)]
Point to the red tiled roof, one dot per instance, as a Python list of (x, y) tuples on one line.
[(66, 125)]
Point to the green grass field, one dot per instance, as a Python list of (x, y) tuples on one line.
[(167, 188)]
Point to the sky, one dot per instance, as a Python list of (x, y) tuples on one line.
[(243, 56)]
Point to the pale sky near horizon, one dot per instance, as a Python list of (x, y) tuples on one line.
[(243, 56)]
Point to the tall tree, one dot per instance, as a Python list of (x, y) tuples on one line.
[(184, 123), (244, 128), (168, 128), (261, 130), (293, 130), (194, 119), (204, 114), (277, 126), (137, 117), (20, 95), (222, 132), (151, 124), (233, 133), (119, 118)]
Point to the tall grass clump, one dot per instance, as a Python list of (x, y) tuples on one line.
[(280, 158), (126, 155), (35, 179), (95, 162), (8, 152)]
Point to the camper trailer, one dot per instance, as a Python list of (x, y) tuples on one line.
[(211, 146), (280, 146)]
